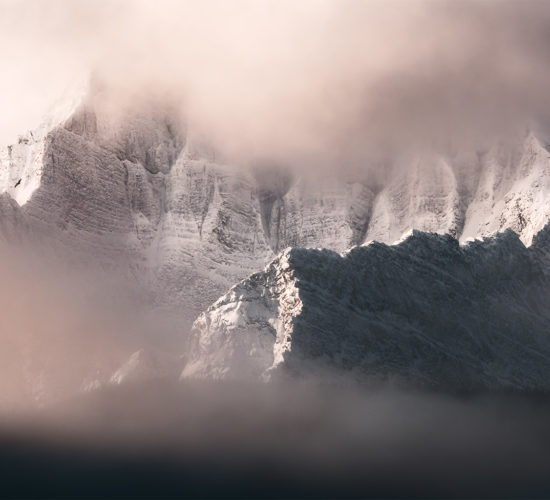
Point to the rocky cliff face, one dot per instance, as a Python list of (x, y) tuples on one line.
[(425, 312), (131, 189)]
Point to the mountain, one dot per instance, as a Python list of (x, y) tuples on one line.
[(129, 188), (426, 312), (136, 190)]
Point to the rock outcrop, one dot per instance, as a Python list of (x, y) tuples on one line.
[(426, 312)]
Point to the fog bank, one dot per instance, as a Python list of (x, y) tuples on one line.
[(205, 440), (307, 84)]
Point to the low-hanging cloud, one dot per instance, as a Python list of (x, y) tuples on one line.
[(312, 83), (212, 440)]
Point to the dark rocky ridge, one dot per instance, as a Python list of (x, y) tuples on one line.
[(426, 312)]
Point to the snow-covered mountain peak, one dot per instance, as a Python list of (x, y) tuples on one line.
[(21, 163)]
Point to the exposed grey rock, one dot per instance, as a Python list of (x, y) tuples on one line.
[(134, 190), (425, 312)]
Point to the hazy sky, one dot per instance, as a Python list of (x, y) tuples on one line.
[(314, 80)]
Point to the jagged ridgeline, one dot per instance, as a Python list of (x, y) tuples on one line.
[(142, 192), (425, 312)]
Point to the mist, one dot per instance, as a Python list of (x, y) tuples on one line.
[(304, 88), (66, 328), (300, 440), (308, 85), (292, 437)]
